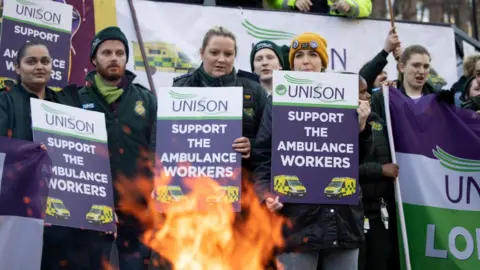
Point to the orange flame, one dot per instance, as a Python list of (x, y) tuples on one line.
[(214, 237)]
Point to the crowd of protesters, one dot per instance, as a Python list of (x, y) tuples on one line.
[(340, 237)]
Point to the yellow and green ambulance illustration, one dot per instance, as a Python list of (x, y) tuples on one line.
[(56, 208), (100, 214), (224, 194), (289, 185), (163, 57), (170, 193), (340, 187)]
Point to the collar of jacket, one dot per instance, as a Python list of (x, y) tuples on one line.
[(472, 103), (49, 93), (202, 78), (427, 88), (89, 78)]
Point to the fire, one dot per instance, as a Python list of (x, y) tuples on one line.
[(214, 237)]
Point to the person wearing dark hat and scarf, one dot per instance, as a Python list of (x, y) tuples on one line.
[(470, 96), (130, 114), (266, 57)]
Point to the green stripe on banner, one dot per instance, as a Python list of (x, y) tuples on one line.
[(200, 118), (316, 105), (69, 135), (442, 239), (38, 25)]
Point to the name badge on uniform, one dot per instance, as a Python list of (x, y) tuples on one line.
[(89, 106)]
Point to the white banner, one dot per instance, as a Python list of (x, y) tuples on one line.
[(173, 35)]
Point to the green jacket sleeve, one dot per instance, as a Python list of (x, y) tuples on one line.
[(358, 8), (281, 4)]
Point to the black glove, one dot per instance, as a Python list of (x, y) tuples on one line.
[(446, 96)]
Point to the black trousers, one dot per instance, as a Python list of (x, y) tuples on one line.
[(380, 250)]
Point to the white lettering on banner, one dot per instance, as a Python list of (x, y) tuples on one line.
[(197, 128), (29, 32), (2, 161), (191, 171), (199, 158), (76, 187), (315, 116), (71, 145), (456, 232)]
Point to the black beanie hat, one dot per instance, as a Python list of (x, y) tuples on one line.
[(269, 45), (109, 33)]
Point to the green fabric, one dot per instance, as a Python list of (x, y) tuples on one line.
[(110, 93)]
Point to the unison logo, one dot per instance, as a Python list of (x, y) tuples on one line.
[(309, 89), (57, 118), (454, 163), (262, 33), (192, 103), (32, 10)]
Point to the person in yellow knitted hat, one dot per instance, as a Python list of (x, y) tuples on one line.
[(308, 52)]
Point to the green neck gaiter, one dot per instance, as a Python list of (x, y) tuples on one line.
[(110, 93)]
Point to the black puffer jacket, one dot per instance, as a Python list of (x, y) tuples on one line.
[(374, 184), (254, 97), (315, 227)]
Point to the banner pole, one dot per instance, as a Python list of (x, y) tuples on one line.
[(142, 47), (398, 194)]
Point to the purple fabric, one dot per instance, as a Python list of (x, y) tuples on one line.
[(420, 126), (23, 187)]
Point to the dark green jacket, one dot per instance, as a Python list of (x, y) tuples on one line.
[(378, 106), (254, 96), (374, 184), (131, 125), (15, 120)]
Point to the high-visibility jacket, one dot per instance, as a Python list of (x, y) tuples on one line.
[(358, 8)]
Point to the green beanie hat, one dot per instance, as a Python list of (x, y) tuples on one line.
[(269, 45), (109, 33)]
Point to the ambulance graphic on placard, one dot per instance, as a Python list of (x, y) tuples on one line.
[(340, 187)]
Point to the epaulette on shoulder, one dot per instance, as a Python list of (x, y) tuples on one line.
[(186, 75), (251, 76), (143, 88)]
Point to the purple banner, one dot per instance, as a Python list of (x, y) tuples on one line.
[(80, 189), (315, 155), (198, 150), (15, 33), (457, 131), (24, 168)]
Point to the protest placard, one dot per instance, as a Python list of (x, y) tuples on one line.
[(198, 128), (80, 189), (46, 21), (315, 137)]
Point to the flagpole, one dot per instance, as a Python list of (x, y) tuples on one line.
[(142, 46), (398, 194)]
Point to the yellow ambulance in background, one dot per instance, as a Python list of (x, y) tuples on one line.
[(340, 187), (289, 185), (56, 208), (163, 57), (100, 214), (168, 194), (224, 194)]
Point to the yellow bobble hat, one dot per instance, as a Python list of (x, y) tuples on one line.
[(309, 41)]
